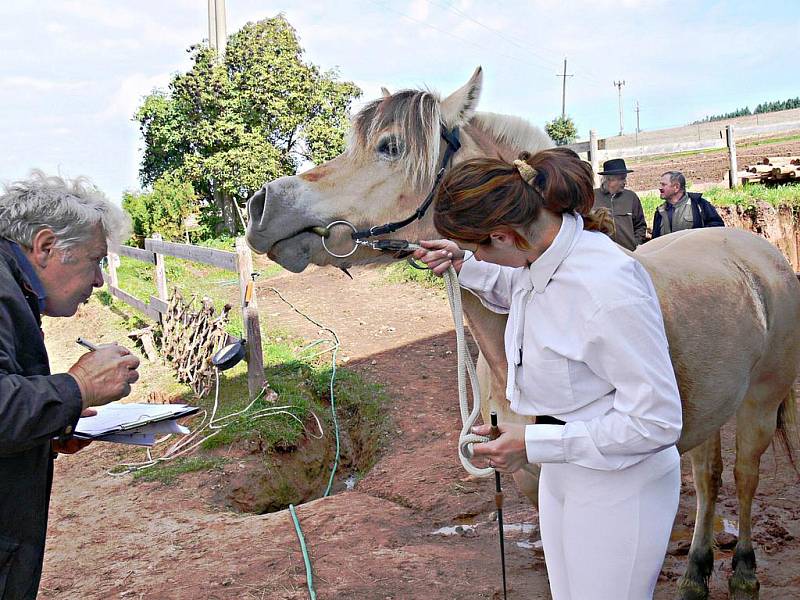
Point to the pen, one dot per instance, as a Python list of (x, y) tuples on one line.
[(86, 344)]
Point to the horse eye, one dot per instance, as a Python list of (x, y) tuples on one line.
[(390, 148)]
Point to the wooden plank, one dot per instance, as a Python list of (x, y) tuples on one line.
[(730, 140), (209, 256), (137, 254), (255, 356), (134, 302), (158, 304), (247, 296)]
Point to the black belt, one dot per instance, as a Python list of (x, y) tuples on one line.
[(548, 420)]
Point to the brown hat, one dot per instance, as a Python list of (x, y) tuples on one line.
[(615, 166)]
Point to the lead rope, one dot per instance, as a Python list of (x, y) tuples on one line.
[(465, 367)]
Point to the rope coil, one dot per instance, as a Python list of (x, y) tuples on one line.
[(466, 368)]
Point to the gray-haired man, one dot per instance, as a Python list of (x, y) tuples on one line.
[(53, 235), (625, 207)]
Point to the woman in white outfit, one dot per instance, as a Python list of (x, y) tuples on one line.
[(587, 355)]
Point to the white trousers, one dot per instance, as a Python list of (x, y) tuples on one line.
[(605, 533)]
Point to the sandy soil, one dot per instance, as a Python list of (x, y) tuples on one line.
[(113, 538)]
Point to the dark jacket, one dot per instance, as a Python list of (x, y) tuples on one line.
[(629, 221), (703, 215), (35, 407)]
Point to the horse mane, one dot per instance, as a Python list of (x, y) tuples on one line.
[(512, 131), (415, 116)]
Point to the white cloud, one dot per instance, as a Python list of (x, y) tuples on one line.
[(129, 94), (24, 83)]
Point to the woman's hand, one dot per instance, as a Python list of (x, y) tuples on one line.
[(439, 255), (507, 453)]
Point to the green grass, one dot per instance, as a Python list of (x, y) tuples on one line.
[(402, 272), (168, 472), (747, 195)]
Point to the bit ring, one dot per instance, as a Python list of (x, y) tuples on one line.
[(328, 250)]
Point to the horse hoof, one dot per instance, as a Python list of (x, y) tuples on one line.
[(690, 589), (740, 588)]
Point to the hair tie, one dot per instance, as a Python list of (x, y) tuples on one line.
[(527, 172)]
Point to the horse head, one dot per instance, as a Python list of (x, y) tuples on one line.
[(386, 171)]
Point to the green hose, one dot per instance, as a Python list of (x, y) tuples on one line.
[(309, 579)]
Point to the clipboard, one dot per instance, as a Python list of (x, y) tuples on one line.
[(116, 418)]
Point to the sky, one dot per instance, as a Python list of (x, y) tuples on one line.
[(73, 72)]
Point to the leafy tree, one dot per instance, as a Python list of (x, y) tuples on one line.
[(230, 124), (161, 210), (562, 130)]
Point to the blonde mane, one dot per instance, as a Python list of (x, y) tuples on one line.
[(414, 116)]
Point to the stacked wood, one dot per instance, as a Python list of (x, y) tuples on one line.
[(771, 170), (191, 337)]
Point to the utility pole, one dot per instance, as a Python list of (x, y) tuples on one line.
[(619, 85), (637, 117), (564, 91), (217, 29)]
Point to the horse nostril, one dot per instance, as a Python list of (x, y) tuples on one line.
[(255, 205)]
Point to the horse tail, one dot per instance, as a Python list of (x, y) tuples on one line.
[(787, 426)]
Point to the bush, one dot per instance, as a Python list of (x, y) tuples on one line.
[(562, 130), (161, 210)]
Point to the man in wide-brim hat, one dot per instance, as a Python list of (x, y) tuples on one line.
[(624, 205)]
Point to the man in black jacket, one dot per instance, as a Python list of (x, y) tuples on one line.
[(53, 235), (682, 210)]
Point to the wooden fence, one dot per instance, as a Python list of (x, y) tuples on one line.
[(241, 262), (595, 149)]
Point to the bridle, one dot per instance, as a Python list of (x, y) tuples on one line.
[(361, 238)]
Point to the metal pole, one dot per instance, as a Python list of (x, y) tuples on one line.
[(498, 500), (619, 85), (564, 91), (221, 30), (212, 25)]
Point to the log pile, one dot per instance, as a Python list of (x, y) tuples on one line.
[(771, 170), (190, 339)]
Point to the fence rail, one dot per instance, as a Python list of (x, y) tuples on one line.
[(241, 262)]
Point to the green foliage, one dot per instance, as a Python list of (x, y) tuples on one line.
[(562, 130), (747, 195), (764, 107), (228, 126), (168, 472), (402, 272), (161, 210)]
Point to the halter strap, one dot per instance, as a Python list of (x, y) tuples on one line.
[(451, 137)]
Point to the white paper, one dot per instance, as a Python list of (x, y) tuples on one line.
[(117, 417), (134, 438)]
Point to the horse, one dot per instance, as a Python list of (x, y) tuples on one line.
[(731, 302)]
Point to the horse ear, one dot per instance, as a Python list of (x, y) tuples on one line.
[(385, 92), (459, 106)]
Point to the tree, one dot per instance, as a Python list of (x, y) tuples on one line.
[(562, 130), (161, 210), (228, 126)]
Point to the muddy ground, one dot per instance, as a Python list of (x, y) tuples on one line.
[(111, 537)]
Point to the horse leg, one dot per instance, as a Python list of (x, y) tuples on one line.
[(755, 429), (707, 470)]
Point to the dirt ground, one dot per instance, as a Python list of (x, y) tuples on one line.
[(111, 537), (702, 170)]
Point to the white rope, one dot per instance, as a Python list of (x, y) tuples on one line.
[(465, 367)]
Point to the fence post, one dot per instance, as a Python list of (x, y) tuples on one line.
[(161, 273), (250, 322), (113, 263), (593, 157), (730, 138)]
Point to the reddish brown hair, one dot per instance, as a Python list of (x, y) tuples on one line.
[(482, 195)]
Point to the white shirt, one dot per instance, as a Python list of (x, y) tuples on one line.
[(585, 343)]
